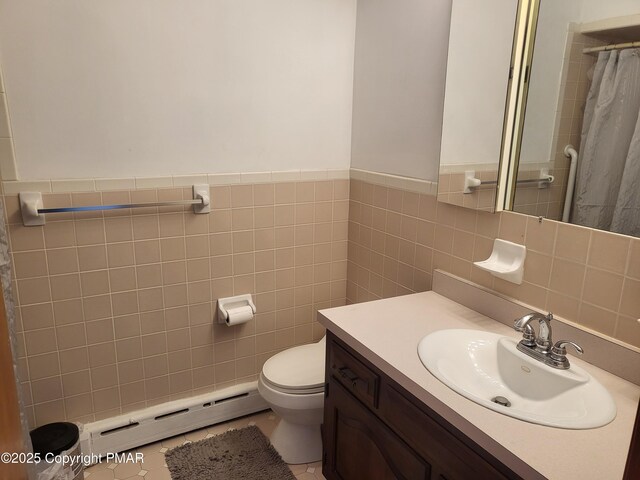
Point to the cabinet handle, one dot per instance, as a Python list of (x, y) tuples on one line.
[(348, 374)]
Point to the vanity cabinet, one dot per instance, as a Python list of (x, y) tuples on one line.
[(374, 429)]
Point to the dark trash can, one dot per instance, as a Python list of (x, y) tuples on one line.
[(58, 446)]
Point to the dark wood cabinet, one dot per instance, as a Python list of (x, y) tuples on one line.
[(365, 448), (374, 429)]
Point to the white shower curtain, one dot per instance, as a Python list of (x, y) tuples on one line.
[(607, 194)]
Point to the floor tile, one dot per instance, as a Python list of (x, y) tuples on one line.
[(173, 441), (153, 461), (306, 476), (196, 435), (104, 474), (298, 469), (126, 470), (158, 475)]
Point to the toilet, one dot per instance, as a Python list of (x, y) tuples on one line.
[(292, 383)]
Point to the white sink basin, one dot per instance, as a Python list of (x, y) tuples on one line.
[(481, 366)]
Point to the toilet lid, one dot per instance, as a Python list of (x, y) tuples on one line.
[(297, 368)]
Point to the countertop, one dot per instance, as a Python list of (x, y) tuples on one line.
[(387, 333)]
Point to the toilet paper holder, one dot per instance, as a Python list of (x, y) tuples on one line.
[(224, 304)]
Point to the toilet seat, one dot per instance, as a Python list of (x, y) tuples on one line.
[(292, 391), (298, 370)]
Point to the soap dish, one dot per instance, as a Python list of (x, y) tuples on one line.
[(506, 261)]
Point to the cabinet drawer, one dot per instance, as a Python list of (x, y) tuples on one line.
[(354, 375), (432, 441)]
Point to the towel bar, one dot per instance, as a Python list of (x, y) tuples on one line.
[(33, 211)]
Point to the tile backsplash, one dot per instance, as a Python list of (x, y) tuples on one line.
[(397, 238), (116, 310)]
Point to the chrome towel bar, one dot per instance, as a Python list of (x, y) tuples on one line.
[(94, 208), (531, 180), (471, 182), (33, 211)]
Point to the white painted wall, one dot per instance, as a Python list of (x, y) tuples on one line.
[(153, 87), (480, 46), (592, 10), (400, 66)]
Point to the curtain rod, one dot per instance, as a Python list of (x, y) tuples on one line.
[(616, 46)]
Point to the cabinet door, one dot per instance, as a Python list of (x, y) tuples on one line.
[(450, 457), (359, 446)]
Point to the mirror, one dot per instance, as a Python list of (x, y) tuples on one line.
[(579, 158), (479, 63)]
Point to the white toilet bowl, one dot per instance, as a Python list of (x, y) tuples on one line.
[(292, 383)]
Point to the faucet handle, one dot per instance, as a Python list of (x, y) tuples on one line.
[(558, 348), (558, 356), (528, 334)]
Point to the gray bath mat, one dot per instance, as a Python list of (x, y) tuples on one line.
[(235, 455)]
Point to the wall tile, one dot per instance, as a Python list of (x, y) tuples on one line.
[(121, 279), (572, 243), (92, 258), (148, 251), (630, 303), (89, 232), (94, 283), (40, 341), (64, 287), (37, 316), (30, 264), (25, 238), (76, 383), (585, 276), (62, 260), (609, 252), (43, 366), (120, 254), (97, 307), (74, 360), (67, 311), (34, 290), (633, 267), (602, 288), (597, 318), (119, 229)]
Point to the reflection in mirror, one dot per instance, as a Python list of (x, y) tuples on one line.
[(478, 66), (582, 126)]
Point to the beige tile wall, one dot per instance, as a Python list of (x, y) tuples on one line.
[(116, 309), (397, 238)]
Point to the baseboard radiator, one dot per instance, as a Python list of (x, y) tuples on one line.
[(124, 432)]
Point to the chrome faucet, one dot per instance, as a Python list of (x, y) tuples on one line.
[(543, 340), (541, 347)]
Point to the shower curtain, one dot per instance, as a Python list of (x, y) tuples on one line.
[(607, 195)]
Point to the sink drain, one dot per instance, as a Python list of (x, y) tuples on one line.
[(501, 401)]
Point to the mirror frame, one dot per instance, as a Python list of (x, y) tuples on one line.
[(524, 42)]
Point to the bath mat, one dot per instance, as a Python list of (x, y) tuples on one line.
[(234, 455)]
